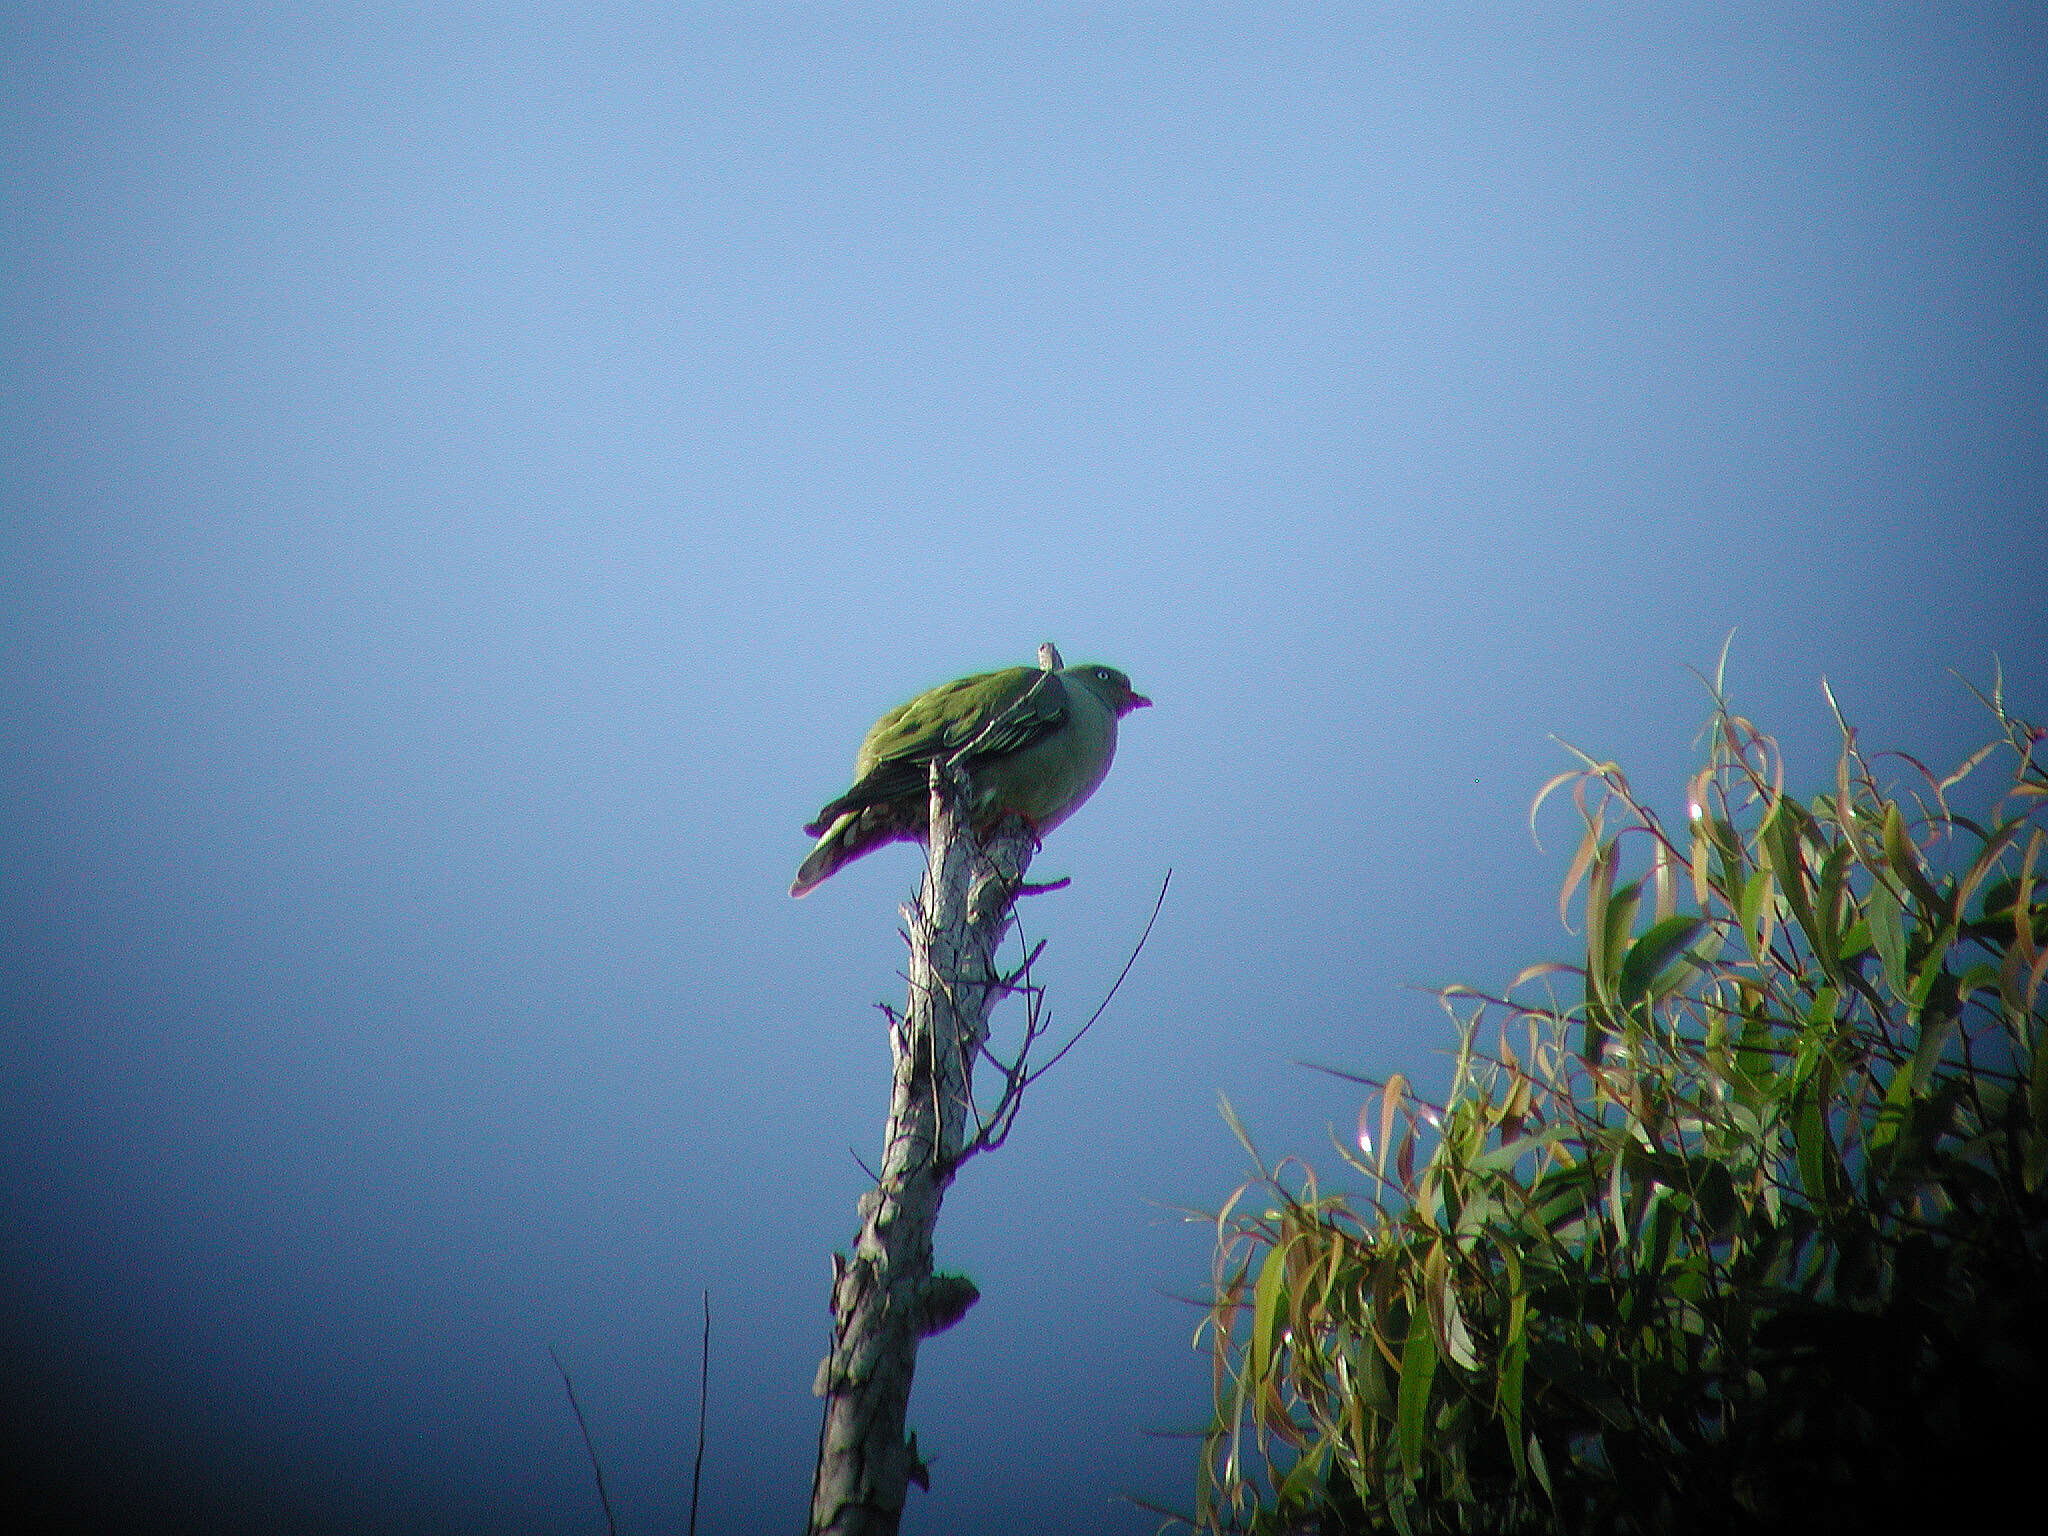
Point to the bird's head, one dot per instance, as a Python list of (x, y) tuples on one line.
[(1108, 685)]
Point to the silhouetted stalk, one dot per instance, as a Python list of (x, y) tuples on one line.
[(703, 1407), (590, 1446)]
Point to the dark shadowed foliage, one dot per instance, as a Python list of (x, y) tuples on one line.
[(1738, 1223)]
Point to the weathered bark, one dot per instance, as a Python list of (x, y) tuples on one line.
[(886, 1297)]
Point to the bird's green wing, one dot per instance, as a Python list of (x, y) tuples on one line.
[(988, 715)]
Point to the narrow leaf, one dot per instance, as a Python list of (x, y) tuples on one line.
[(1390, 1101), (1266, 1313), (1652, 954), (1904, 859), (1887, 922), (1418, 1367)]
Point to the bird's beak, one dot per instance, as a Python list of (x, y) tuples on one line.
[(1139, 701)]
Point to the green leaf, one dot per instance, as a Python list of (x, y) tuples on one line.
[(1756, 909), (1779, 836), (1886, 918), (1418, 1367), (1714, 1188), (1305, 1479), (1229, 1112), (1503, 1158), (1829, 901), (1390, 1099), (1507, 1395), (1933, 966), (1454, 1339), (1621, 921), (1904, 859), (1755, 1057), (1266, 1295), (2034, 1163), (1539, 1465), (1599, 913), (1652, 954), (1813, 1149), (2037, 1096), (1893, 1114), (1935, 1034), (1985, 863)]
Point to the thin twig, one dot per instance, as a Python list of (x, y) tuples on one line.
[(1103, 1006), (1020, 1074), (589, 1445), (990, 1132), (703, 1405)]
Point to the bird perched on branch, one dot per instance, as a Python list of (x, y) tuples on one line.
[(1034, 741)]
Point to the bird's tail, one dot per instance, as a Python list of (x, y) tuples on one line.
[(832, 851)]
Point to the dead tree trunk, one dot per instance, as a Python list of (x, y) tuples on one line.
[(886, 1297)]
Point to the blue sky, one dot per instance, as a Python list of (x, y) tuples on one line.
[(473, 474)]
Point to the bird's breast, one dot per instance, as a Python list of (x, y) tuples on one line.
[(1047, 781)]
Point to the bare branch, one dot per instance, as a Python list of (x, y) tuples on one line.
[(886, 1295), (703, 1412), (590, 1446), (1019, 1074), (1102, 1007)]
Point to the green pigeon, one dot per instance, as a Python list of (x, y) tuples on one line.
[(1035, 741)]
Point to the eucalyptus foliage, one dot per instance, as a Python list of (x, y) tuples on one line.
[(1737, 1222)]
